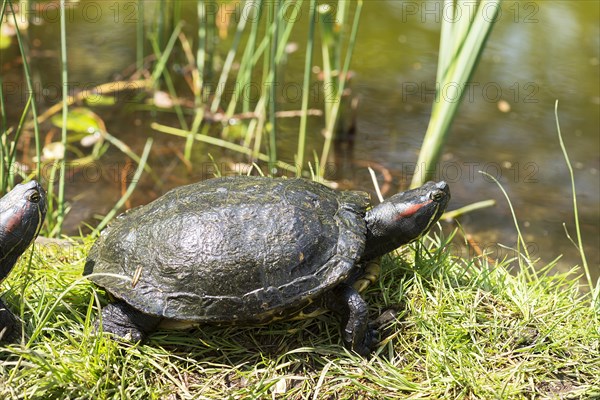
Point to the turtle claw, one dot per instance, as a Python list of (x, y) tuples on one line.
[(357, 332), (387, 317), (127, 323), (367, 345), (360, 337), (10, 326)]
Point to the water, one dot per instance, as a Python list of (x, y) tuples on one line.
[(538, 52), (526, 64)]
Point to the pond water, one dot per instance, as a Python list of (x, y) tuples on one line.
[(538, 52)]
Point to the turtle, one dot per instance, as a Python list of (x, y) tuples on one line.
[(251, 250), (22, 212)]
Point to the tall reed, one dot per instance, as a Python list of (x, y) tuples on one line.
[(308, 60), (462, 41), (8, 147), (336, 98), (65, 114), (258, 49)]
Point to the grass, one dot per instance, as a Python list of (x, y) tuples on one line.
[(465, 329)]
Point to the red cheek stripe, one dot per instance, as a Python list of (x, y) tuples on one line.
[(410, 211), (14, 222)]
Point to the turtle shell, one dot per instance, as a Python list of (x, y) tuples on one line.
[(229, 249)]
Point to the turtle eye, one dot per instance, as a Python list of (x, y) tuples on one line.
[(34, 197), (438, 195)]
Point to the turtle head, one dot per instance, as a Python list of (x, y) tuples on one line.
[(404, 217), (22, 212)]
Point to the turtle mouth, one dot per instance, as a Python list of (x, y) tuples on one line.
[(28, 204), (36, 198), (41, 215), (435, 216)]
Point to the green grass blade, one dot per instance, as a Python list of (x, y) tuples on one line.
[(272, 110), (199, 82), (162, 70), (306, 87), (586, 267), (163, 56), (221, 143), (329, 129), (467, 39), (3, 125), (29, 82), (139, 36), (60, 217), (446, 43), (214, 107), (136, 178), (12, 153), (526, 263)]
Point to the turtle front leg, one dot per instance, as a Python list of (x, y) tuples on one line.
[(357, 333), (126, 322), (10, 326)]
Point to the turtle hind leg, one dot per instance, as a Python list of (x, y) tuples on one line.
[(124, 321), (357, 333), (10, 326)]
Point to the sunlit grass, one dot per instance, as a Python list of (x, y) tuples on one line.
[(465, 329)]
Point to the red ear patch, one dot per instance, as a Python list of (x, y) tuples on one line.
[(411, 210), (14, 222)]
